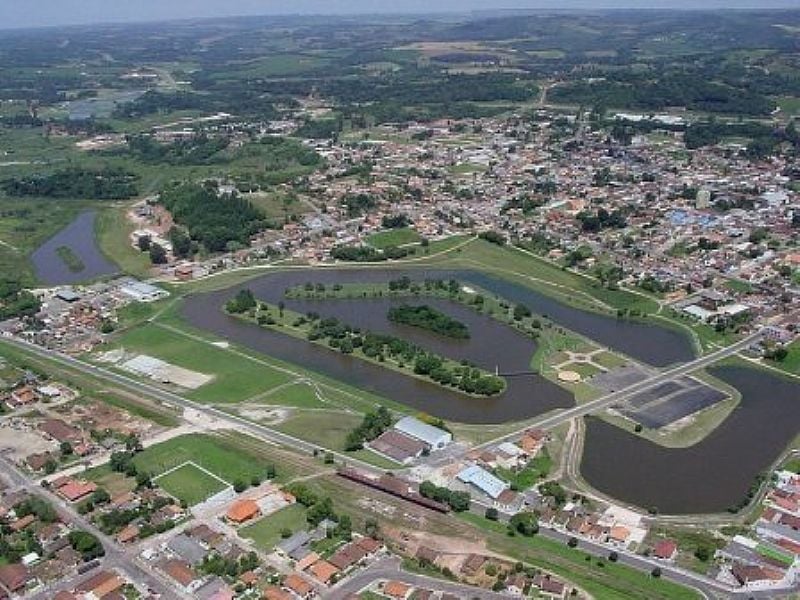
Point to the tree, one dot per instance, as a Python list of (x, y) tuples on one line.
[(66, 448), (656, 572), (86, 544), (572, 542), (158, 256), (144, 243), (239, 485), (613, 556), (492, 514)]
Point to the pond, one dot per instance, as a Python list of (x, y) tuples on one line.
[(711, 475), (492, 344), (83, 261)]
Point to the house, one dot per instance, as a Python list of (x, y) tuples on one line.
[(473, 564), (13, 577), (323, 571), (74, 490), (187, 548), (273, 592), (179, 571), (516, 583), (426, 555), (299, 586), (618, 535), (755, 576), (60, 431), (665, 550), (396, 589), (433, 437), (22, 396), (242, 511), (398, 446), (347, 556), (101, 585), (306, 561), (128, 534), (291, 544), (550, 587)]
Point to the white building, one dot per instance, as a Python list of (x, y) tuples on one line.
[(432, 436), (483, 480)]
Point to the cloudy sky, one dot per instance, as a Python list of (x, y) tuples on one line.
[(38, 13)]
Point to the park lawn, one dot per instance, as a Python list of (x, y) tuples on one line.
[(266, 532), (190, 484), (612, 581), (393, 237), (235, 379), (609, 360), (219, 456)]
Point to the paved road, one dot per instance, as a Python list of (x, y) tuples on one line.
[(115, 556), (160, 395), (562, 416)]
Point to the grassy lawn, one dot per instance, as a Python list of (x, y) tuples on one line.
[(235, 379), (790, 364), (266, 532), (111, 481), (393, 237), (329, 430), (612, 581), (300, 395), (525, 478), (609, 360), (689, 541), (190, 484), (214, 453)]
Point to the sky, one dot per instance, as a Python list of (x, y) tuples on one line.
[(43, 13)]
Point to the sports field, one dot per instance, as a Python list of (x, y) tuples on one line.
[(190, 484)]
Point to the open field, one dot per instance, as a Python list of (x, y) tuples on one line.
[(234, 379), (212, 452), (190, 484), (266, 532), (393, 237), (329, 431)]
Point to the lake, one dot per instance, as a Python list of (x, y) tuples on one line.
[(491, 345), (711, 475), (79, 237)]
